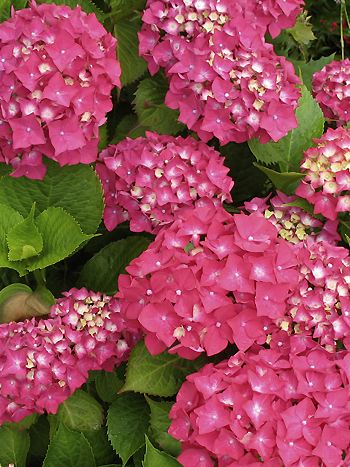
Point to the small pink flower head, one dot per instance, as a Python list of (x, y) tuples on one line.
[(327, 176), (292, 222), (208, 280), (224, 78), (268, 407), (57, 69), (44, 361), (147, 180), (331, 88)]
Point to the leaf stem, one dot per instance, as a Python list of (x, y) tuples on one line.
[(342, 29)]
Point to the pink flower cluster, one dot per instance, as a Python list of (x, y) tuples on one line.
[(208, 280), (331, 88), (57, 69), (43, 362), (147, 180), (224, 78), (292, 222), (327, 176), (286, 408)]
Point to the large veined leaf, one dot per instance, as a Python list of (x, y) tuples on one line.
[(127, 423), (76, 189), (133, 66), (81, 412), (288, 151), (150, 108), (69, 448), (87, 5), (5, 7), (101, 447), (159, 375), (285, 181), (102, 270), (306, 70), (9, 218), (107, 385), (14, 447), (156, 458)]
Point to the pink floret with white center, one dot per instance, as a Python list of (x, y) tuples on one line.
[(284, 408), (224, 78), (331, 88), (147, 180), (292, 222), (44, 361), (326, 167), (57, 69)]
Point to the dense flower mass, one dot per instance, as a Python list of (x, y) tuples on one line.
[(43, 362), (292, 222), (146, 180), (331, 88), (326, 183), (285, 408), (208, 280), (57, 69), (224, 78)]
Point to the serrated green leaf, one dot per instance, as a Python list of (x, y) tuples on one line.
[(9, 217), (24, 239), (107, 385), (159, 375), (81, 412), (128, 127), (61, 234), (102, 270), (149, 104), (39, 438), (87, 5), (77, 189), (101, 447), (133, 66), (69, 449), (124, 8), (19, 4), (127, 423), (156, 458), (302, 30), (159, 425), (306, 70), (24, 424), (285, 181), (288, 151), (14, 447), (5, 7)]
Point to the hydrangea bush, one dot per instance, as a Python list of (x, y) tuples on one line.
[(174, 232)]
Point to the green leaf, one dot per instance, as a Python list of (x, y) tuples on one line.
[(102, 270), (133, 66), (11, 290), (127, 423), (77, 189), (107, 385), (288, 151), (156, 458), (150, 108), (128, 127), (14, 447), (24, 239), (61, 234), (101, 447), (87, 5), (69, 449), (159, 375), (307, 70), (24, 424), (39, 438), (123, 8), (286, 182), (5, 7), (159, 425), (9, 217), (19, 4), (302, 30), (81, 412)]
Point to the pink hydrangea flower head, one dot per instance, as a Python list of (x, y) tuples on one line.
[(268, 407), (57, 70), (208, 280), (44, 361), (147, 180), (331, 88), (224, 78), (327, 176), (292, 222)]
